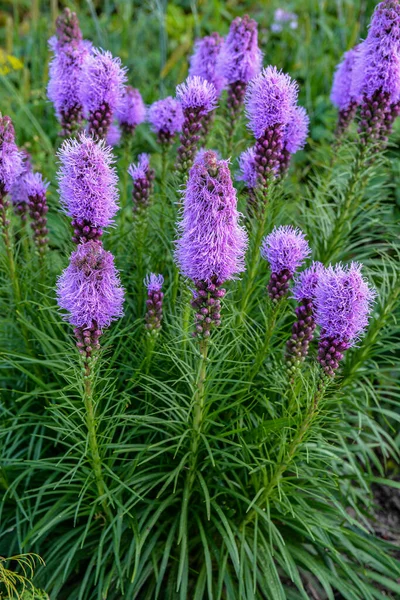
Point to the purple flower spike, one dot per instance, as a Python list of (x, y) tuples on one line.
[(212, 244), (166, 119), (154, 302), (286, 250), (203, 61), (131, 110), (377, 73), (344, 301), (239, 61), (90, 291), (18, 192), (303, 328), (36, 189), (11, 160), (270, 104), (88, 186), (198, 97), (102, 89), (142, 177), (295, 137), (68, 31), (113, 135), (343, 94)]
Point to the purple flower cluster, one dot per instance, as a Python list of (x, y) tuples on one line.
[(303, 328), (343, 93), (286, 250), (198, 97), (88, 186), (11, 160), (131, 110), (142, 176), (18, 191), (70, 52), (90, 291), (212, 244), (377, 73), (101, 90), (343, 302), (239, 61), (166, 119), (154, 302), (36, 189), (203, 62)]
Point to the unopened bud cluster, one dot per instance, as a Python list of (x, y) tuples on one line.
[(330, 353), (278, 285), (37, 211), (189, 139), (302, 334), (207, 303), (154, 311), (100, 121), (84, 231), (267, 155), (87, 340)]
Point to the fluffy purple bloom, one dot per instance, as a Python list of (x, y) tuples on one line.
[(11, 160), (18, 191), (113, 135), (154, 302), (343, 92), (212, 244), (166, 118), (270, 100), (203, 61), (248, 168), (131, 110), (240, 58), (296, 130), (89, 289), (87, 185), (285, 249), (343, 302), (305, 283), (102, 87), (36, 188), (197, 93), (154, 282)]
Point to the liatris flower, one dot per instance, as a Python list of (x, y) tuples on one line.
[(303, 328), (18, 192), (239, 61), (212, 245), (88, 186), (11, 166), (198, 97), (154, 302), (131, 110), (166, 119), (343, 94), (282, 18), (102, 89), (285, 249), (343, 301), (90, 291), (36, 191), (142, 177), (270, 103), (203, 61), (295, 136), (68, 31), (113, 135), (377, 73)]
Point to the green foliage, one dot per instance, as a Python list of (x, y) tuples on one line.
[(258, 485)]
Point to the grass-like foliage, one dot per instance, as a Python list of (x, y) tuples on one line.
[(167, 465)]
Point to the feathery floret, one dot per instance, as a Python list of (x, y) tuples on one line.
[(343, 92), (296, 130), (89, 289), (285, 249), (240, 58), (203, 61), (11, 163), (305, 283), (18, 191), (88, 182), (197, 93), (248, 168), (166, 118), (131, 110)]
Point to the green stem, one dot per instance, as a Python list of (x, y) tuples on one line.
[(269, 330), (198, 410), (94, 458)]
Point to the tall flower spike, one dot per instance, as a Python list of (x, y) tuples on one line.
[(11, 167), (88, 186), (240, 60), (154, 302), (102, 88), (212, 243), (166, 119), (90, 291), (198, 97), (203, 62), (343, 94), (36, 189), (270, 101), (142, 177), (295, 136), (131, 110), (377, 73), (18, 192), (303, 328), (344, 301), (285, 249), (67, 29)]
